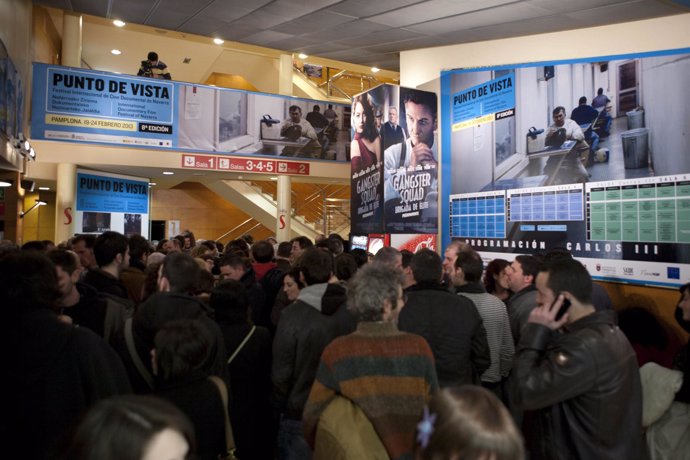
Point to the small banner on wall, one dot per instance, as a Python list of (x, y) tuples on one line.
[(112, 202)]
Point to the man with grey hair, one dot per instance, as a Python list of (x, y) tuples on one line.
[(390, 257), (386, 374)]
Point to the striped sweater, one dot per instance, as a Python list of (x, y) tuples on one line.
[(389, 374), (495, 317)]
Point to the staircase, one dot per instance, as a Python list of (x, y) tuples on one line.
[(317, 208)]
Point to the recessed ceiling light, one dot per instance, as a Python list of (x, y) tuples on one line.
[(151, 184), (44, 188), (218, 41), (302, 56), (375, 69), (168, 173), (116, 52), (119, 23), (274, 178)]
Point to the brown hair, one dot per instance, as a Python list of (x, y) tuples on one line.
[(471, 424)]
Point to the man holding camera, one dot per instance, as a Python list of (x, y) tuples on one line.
[(153, 68)]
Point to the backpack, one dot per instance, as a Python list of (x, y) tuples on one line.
[(118, 310), (557, 138)]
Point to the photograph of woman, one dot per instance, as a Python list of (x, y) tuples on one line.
[(365, 149)]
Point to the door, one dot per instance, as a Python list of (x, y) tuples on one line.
[(627, 87)]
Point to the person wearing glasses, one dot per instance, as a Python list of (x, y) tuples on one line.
[(377, 377)]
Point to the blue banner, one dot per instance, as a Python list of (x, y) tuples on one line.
[(111, 194), (77, 105), (483, 103), (85, 105)]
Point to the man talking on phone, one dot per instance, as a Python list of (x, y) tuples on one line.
[(578, 372)]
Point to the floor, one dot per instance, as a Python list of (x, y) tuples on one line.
[(615, 168)]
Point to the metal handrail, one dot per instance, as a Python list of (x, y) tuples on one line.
[(235, 228)]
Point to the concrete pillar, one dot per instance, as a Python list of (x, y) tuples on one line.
[(285, 75), (65, 202), (284, 199), (71, 39)]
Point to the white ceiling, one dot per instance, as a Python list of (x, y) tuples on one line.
[(366, 32)]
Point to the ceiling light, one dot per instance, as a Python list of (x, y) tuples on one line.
[(116, 52), (218, 41), (168, 173), (375, 69), (5, 183), (274, 178), (302, 56), (44, 188), (119, 23), (151, 184)]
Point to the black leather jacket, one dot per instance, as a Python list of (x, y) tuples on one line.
[(584, 385), (304, 330)]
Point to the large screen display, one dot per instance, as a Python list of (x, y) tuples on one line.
[(589, 155)]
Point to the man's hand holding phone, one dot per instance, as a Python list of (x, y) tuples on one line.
[(552, 316)]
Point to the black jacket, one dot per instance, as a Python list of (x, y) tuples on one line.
[(303, 331), (199, 399), (250, 374), (51, 373), (152, 315), (584, 385), (682, 361), (453, 328), (105, 282)]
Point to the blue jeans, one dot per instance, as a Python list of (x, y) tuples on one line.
[(291, 442)]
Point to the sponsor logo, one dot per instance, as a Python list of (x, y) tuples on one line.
[(608, 270), (628, 271), (650, 273), (673, 273)]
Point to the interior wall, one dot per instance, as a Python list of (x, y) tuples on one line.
[(39, 223), (15, 33), (418, 67), (202, 211), (47, 44), (633, 37)]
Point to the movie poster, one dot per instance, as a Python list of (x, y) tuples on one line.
[(394, 148)]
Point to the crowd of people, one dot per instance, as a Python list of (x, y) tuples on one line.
[(189, 349)]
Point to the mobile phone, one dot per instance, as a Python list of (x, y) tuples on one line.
[(564, 307)]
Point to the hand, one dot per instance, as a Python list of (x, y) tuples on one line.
[(546, 314), (422, 155)]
